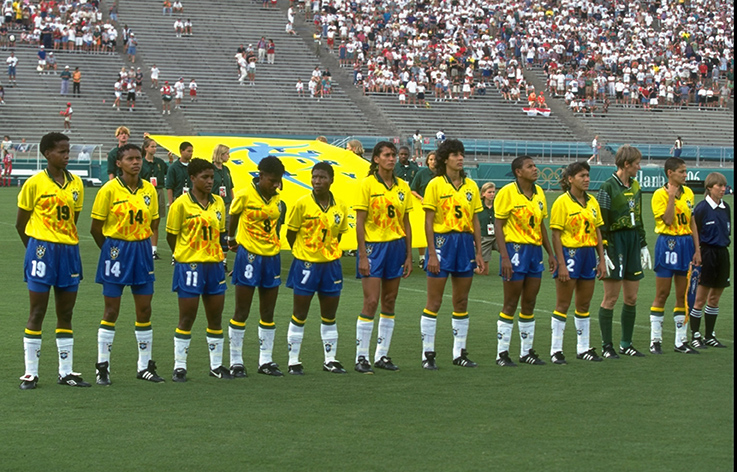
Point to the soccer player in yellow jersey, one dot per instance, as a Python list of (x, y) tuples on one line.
[(48, 209), (520, 210), (125, 212), (314, 229), (575, 219), (384, 239), (676, 249), (194, 230), (254, 214), (451, 205)]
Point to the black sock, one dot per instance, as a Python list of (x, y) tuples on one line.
[(710, 315), (695, 320)]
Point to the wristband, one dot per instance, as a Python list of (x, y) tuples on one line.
[(230, 238)]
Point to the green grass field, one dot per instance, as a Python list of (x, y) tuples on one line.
[(667, 412)]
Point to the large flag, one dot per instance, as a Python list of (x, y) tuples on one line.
[(298, 158)]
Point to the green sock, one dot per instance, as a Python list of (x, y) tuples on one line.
[(628, 324), (605, 323)]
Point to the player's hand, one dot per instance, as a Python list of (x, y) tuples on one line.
[(696, 261), (433, 264), (602, 269), (233, 246), (672, 190), (407, 267), (553, 264), (480, 263), (645, 259), (364, 268), (563, 274), (507, 270), (609, 265)]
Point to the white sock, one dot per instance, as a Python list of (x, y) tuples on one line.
[(504, 330), (65, 347), (31, 353), (105, 337), (656, 328), (181, 350), (266, 343), (364, 329), (558, 327), (235, 336), (145, 338), (295, 334), (681, 329), (215, 346), (329, 334), (526, 336), (386, 329), (583, 333), (428, 325), (153, 249), (460, 333)]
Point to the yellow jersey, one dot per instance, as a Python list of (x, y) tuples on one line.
[(317, 229), (52, 207), (524, 215), (198, 229), (127, 214), (454, 207), (576, 222), (684, 206), (385, 208), (258, 220)]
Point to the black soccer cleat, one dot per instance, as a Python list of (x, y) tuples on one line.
[(630, 351), (589, 355), (531, 358), (334, 367), (296, 369), (429, 362), (149, 373), (463, 360), (714, 342), (685, 349), (504, 360), (221, 372), (179, 375), (363, 366), (608, 351), (656, 347), (558, 358), (28, 382), (73, 379), (386, 364), (157, 257), (698, 342), (238, 371), (270, 368), (102, 373)]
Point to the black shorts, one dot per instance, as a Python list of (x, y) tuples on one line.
[(715, 266), (132, 96)]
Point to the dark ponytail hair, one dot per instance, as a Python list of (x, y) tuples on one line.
[(572, 170), (373, 166)]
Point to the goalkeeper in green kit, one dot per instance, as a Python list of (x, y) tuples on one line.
[(625, 249)]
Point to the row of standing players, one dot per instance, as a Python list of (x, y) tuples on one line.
[(601, 237)]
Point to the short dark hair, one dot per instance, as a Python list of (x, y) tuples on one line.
[(197, 166), (127, 147), (572, 170), (446, 148), (271, 165), (405, 148), (517, 163), (185, 145), (326, 167), (673, 163), (50, 140)]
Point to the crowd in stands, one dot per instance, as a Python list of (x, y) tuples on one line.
[(671, 52)]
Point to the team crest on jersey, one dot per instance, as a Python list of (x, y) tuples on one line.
[(75, 195), (400, 195), (671, 244), (540, 204), (689, 204), (193, 266), (308, 265), (439, 241), (631, 203), (147, 200), (337, 218), (469, 195), (251, 257), (114, 252), (218, 215), (369, 249), (40, 251), (593, 213)]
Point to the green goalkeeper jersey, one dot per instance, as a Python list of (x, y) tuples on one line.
[(621, 207)]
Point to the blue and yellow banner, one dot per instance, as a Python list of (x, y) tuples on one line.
[(298, 158)]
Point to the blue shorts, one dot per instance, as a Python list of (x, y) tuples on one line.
[(580, 261), (456, 255), (673, 255), (193, 279), (52, 265), (253, 270), (526, 259), (386, 260), (325, 278), (125, 263)]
